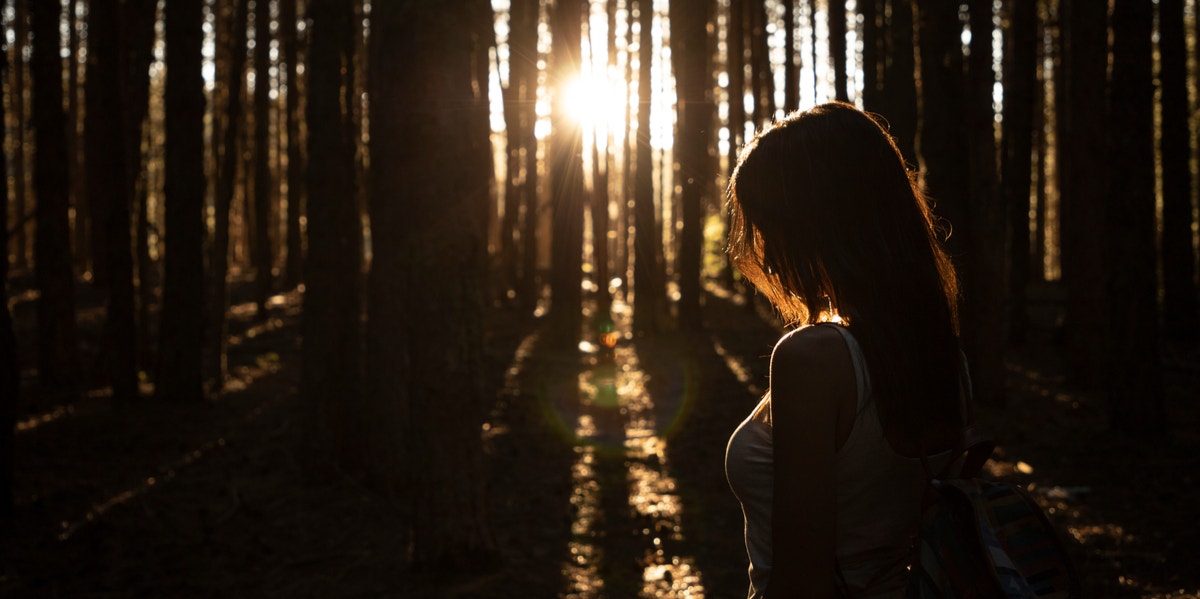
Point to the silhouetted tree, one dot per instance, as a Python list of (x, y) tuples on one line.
[(58, 353), (136, 43), (1020, 80), (181, 339), (566, 176), (10, 374), (1181, 315), (331, 323), (20, 25), (693, 85), (263, 182), (426, 64), (900, 77), (295, 154), (984, 278), (523, 61), (873, 52), (106, 173), (837, 48), (648, 284), (218, 261), (791, 70), (1134, 372), (1081, 140)]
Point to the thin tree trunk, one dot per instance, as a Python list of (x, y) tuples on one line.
[(523, 64), (263, 181), (689, 40), (764, 79), (791, 71), (984, 279), (219, 256), (1020, 79), (1181, 315), (331, 321), (20, 150), (1135, 388), (566, 178), (295, 146), (1081, 141), (648, 289), (84, 253), (10, 374), (837, 48), (901, 77), (873, 54), (181, 341), (58, 354)]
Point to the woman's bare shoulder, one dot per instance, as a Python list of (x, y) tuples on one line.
[(813, 344)]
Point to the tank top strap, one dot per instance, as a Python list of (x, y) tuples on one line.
[(862, 378)]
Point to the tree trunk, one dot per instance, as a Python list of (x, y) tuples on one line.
[(1181, 316), (219, 256), (58, 353), (523, 60), (689, 41), (648, 286), (139, 18), (900, 77), (331, 322), (1020, 80), (984, 278), (1134, 373), (430, 259), (566, 178), (873, 55), (84, 253), (1081, 140), (791, 71), (263, 183), (106, 172), (760, 70), (837, 48), (10, 374), (295, 146), (181, 340), (20, 27)]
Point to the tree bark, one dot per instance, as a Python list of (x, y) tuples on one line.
[(873, 53), (523, 60), (85, 254), (901, 77), (219, 256), (648, 286), (1020, 80), (689, 41), (139, 18), (10, 374), (295, 145), (20, 27), (791, 71), (837, 48), (1135, 389), (432, 262), (566, 178), (181, 340), (263, 183), (984, 278), (1082, 141), (58, 353), (331, 321), (1181, 315)]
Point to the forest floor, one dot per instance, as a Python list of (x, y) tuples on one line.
[(606, 473)]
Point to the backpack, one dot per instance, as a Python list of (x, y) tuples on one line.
[(983, 538)]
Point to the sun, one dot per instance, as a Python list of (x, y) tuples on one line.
[(593, 102)]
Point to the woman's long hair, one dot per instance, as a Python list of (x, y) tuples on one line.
[(826, 219)]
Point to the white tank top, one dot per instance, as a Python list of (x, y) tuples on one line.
[(879, 495)]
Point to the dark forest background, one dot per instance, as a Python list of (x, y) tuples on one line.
[(416, 298)]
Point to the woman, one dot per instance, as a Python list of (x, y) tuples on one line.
[(827, 222)]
